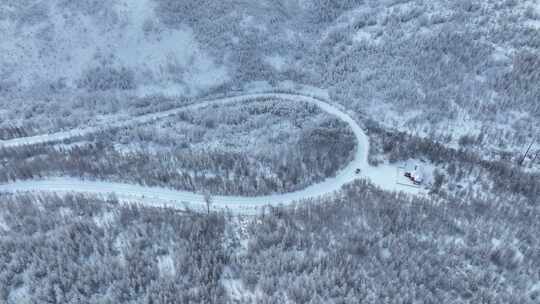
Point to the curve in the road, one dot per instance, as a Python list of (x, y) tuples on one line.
[(180, 199)]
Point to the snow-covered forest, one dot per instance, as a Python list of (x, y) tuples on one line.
[(236, 104), (261, 147), (434, 68), (364, 245), (76, 249)]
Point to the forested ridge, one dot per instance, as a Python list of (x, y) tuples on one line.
[(362, 244), (76, 249), (370, 246), (435, 68)]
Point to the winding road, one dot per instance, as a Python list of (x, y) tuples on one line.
[(383, 176)]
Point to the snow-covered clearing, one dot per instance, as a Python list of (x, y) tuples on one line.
[(383, 176), (19, 296), (166, 266)]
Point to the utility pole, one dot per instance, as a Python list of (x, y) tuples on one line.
[(208, 200)]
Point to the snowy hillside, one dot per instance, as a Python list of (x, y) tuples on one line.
[(269, 151), (76, 43), (448, 71)]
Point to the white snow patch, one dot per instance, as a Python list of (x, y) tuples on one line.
[(304, 89), (496, 242), (456, 241), (3, 225), (235, 288), (277, 62), (519, 255), (249, 21), (535, 290), (533, 23), (120, 244), (500, 54), (166, 266), (169, 89), (103, 220), (65, 212), (362, 36), (386, 254), (257, 86), (19, 296)]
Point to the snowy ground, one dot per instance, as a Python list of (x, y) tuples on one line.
[(383, 176), (63, 135), (51, 40)]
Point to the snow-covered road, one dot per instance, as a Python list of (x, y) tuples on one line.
[(383, 176)]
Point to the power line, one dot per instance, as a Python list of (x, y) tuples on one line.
[(536, 156), (526, 152)]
